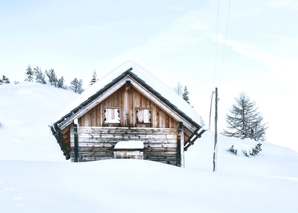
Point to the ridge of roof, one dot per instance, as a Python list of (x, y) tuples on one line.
[(153, 84)]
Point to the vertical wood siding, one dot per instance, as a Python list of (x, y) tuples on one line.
[(97, 140), (159, 118)]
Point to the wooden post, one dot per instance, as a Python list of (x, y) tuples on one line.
[(215, 132), (126, 104), (181, 133), (76, 140)]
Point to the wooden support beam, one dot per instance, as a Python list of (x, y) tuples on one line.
[(181, 134), (56, 132), (193, 138), (126, 106), (76, 140)]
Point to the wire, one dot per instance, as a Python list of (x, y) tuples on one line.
[(224, 48), (215, 62)]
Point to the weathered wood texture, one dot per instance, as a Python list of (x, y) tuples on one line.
[(97, 143), (97, 139), (66, 136), (128, 154), (128, 100)]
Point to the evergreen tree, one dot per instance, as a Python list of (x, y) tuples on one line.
[(76, 85), (52, 77), (60, 83), (29, 74), (244, 120), (185, 95), (94, 79), (1, 82), (39, 76), (5, 80)]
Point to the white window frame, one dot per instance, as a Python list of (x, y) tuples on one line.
[(110, 115), (147, 116)]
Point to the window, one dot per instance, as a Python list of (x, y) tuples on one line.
[(144, 116), (112, 115)]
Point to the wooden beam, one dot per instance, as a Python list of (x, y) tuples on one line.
[(56, 132), (127, 130), (76, 140), (181, 134), (126, 106), (193, 138)]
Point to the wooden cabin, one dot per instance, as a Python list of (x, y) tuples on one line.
[(128, 113)]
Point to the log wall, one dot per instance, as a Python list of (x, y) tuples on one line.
[(97, 143)]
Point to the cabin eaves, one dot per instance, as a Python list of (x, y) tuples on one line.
[(60, 124)]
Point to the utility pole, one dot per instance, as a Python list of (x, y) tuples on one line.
[(215, 132)]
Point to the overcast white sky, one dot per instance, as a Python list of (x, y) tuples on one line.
[(175, 40)]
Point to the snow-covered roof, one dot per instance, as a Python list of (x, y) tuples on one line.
[(149, 79), (124, 145)]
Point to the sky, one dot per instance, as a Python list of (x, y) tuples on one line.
[(236, 46)]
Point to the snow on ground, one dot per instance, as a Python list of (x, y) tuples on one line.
[(25, 112), (267, 182), (273, 160)]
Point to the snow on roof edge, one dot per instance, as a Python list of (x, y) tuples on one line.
[(147, 77)]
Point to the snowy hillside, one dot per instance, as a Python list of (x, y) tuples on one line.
[(25, 112), (267, 182), (272, 160)]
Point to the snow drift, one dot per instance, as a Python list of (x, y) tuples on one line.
[(267, 182), (25, 112)]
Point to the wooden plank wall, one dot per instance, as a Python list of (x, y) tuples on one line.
[(66, 136), (97, 143), (134, 99)]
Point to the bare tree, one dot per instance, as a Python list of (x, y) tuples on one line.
[(178, 88), (52, 77), (76, 85), (244, 120), (39, 76)]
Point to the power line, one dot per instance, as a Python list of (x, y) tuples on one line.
[(224, 48), (216, 37)]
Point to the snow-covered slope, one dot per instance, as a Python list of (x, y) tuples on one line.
[(267, 182), (25, 112), (272, 160)]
